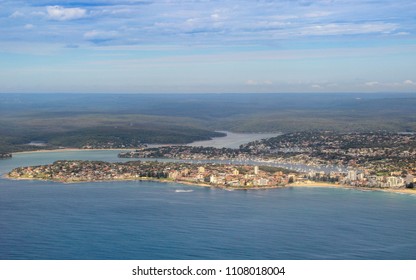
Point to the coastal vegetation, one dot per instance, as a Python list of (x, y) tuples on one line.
[(129, 121)]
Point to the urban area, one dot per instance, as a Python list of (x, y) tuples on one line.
[(362, 160)]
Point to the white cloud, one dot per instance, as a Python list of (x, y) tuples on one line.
[(402, 33), (371, 84), (409, 82), (348, 29), (251, 82), (191, 21), (61, 13), (100, 35), (16, 14), (317, 14), (391, 84), (29, 26), (215, 16)]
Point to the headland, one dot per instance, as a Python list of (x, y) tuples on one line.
[(215, 175)]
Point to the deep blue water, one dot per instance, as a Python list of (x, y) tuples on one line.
[(149, 220)]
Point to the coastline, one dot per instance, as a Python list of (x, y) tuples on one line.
[(341, 186), (308, 184), (199, 184), (70, 150), (187, 183), (194, 143)]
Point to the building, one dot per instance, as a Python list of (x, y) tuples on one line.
[(173, 175), (409, 179), (261, 182), (201, 169), (185, 172), (352, 175), (393, 181)]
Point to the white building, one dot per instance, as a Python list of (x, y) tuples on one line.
[(261, 182), (409, 179), (393, 181), (352, 175)]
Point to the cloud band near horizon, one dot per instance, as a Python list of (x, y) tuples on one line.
[(223, 45)]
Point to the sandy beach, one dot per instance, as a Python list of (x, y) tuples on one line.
[(311, 184)]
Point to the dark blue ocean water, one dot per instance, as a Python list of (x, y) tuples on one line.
[(148, 220)]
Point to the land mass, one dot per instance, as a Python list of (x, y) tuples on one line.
[(373, 159), (228, 176), (49, 121), (370, 137), (208, 174)]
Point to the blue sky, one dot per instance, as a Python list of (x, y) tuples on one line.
[(208, 46)]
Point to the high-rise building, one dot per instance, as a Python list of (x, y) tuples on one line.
[(352, 175)]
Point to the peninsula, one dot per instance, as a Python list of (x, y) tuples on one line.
[(362, 159), (227, 176), (207, 174)]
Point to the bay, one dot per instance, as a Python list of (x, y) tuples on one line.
[(147, 220)]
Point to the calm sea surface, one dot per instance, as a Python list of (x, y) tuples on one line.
[(149, 220)]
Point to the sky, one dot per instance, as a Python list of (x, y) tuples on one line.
[(207, 46)]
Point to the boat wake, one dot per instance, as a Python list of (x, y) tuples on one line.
[(183, 191)]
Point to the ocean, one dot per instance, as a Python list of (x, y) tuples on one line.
[(151, 220)]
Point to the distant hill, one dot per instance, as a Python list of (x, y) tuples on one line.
[(78, 119)]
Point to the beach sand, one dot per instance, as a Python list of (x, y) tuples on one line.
[(311, 184)]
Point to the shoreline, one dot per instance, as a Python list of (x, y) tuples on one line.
[(341, 186), (71, 150), (205, 185), (310, 184), (66, 149)]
